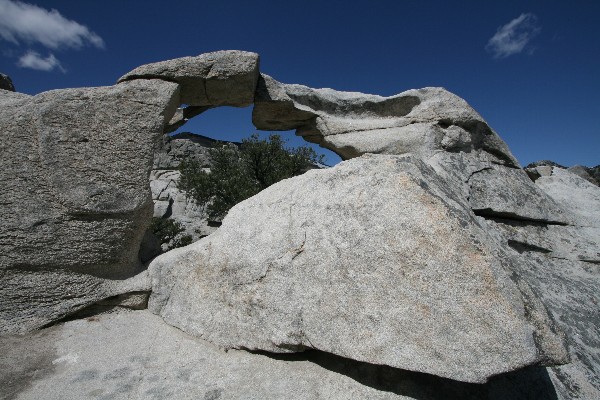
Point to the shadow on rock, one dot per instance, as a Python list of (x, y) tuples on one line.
[(530, 383)]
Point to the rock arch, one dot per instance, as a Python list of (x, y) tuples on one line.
[(422, 121)]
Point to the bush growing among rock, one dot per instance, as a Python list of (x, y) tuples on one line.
[(239, 173), (169, 232)]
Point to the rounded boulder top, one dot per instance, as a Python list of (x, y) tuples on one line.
[(6, 83)]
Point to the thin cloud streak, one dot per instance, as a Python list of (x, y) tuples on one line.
[(514, 37), (34, 60), (28, 23)]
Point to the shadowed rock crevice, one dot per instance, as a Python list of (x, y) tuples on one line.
[(531, 383), (489, 213), (522, 247), (500, 192)]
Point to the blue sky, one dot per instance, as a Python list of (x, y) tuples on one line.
[(530, 68)]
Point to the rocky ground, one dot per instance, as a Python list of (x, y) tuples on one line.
[(135, 355)]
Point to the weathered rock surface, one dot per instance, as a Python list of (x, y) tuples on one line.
[(420, 121), (183, 146), (373, 260), (560, 264), (498, 191), (75, 198), (8, 98), (585, 173), (81, 359), (580, 197), (220, 78), (6, 83)]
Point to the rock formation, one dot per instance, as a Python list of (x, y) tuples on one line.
[(76, 202), (421, 121), (544, 168), (302, 264), (436, 253), (6, 83), (220, 78)]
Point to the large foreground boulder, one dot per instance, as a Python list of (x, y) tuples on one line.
[(75, 199), (374, 260)]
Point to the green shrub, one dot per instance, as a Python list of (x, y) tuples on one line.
[(168, 231), (239, 173)]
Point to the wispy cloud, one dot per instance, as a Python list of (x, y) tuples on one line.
[(34, 60), (514, 37), (28, 23)]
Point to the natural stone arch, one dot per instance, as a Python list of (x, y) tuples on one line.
[(220, 78), (419, 121)]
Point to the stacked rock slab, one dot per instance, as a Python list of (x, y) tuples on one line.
[(220, 78), (76, 203), (422, 121)]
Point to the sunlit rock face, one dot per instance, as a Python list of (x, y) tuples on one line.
[(220, 78), (373, 260), (76, 200)]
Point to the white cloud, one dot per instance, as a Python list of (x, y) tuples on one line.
[(28, 23), (514, 37), (33, 60)]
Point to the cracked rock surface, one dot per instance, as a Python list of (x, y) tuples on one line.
[(75, 166), (560, 263), (388, 268), (220, 78)]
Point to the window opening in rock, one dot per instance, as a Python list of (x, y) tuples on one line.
[(233, 124), (178, 218)]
